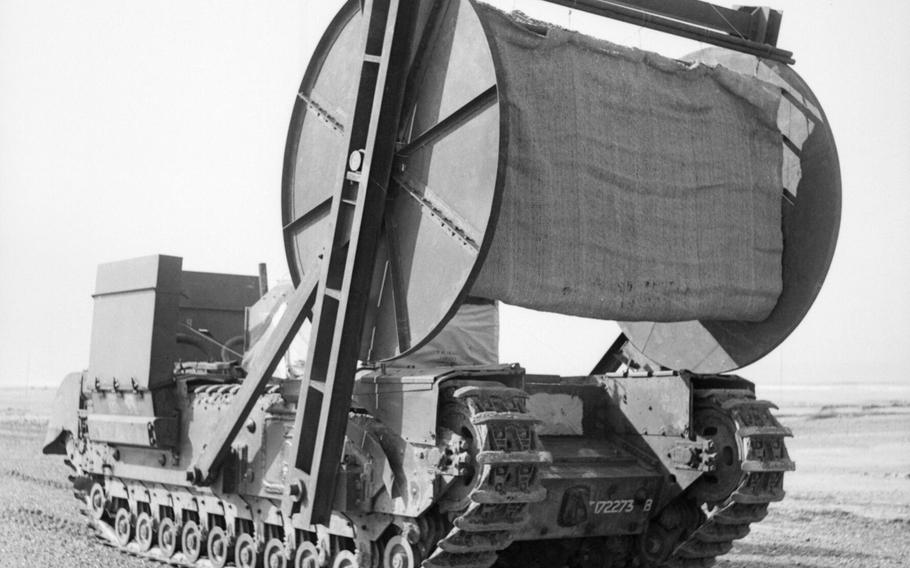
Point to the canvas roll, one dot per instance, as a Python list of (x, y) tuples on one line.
[(636, 187), (563, 173)]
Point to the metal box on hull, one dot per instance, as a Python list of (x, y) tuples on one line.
[(134, 324), (149, 315)]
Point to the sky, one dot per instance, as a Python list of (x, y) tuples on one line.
[(136, 128)]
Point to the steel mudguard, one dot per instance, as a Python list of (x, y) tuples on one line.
[(65, 414)]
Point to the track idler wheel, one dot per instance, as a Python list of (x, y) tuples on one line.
[(192, 541), (219, 547), (123, 526), (307, 556), (145, 532), (274, 555), (246, 553), (400, 554), (168, 539)]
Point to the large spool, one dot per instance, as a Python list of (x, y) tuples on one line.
[(442, 214), (439, 221)]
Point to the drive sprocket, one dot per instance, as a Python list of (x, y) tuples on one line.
[(498, 455), (750, 462)]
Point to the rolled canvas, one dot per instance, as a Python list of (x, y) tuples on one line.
[(636, 187)]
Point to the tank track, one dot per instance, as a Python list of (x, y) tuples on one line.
[(105, 533), (508, 454), (762, 464), (101, 526), (102, 531)]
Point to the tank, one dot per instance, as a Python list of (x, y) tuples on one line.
[(188, 446)]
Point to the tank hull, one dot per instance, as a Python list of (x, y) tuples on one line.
[(582, 462)]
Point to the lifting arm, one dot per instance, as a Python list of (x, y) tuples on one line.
[(204, 470)]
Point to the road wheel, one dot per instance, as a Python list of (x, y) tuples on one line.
[(399, 554), (145, 532), (219, 547), (123, 526), (246, 554), (192, 541), (97, 501), (307, 556), (167, 537), (274, 555), (345, 559)]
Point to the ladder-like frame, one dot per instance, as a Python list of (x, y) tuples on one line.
[(338, 299), (344, 288)]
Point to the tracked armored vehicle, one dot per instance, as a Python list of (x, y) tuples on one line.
[(422, 184)]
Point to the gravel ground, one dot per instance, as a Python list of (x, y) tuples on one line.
[(848, 503), (40, 524)]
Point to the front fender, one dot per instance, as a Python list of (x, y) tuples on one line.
[(64, 414)]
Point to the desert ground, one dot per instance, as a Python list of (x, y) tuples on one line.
[(848, 503)]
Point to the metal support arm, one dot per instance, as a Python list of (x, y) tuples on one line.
[(205, 469), (751, 31), (347, 269)]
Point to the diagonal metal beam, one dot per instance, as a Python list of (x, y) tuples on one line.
[(399, 293), (205, 469), (453, 122), (310, 216)]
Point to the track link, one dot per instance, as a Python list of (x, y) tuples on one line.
[(508, 455), (102, 529), (762, 464)]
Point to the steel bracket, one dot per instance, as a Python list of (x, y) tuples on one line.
[(697, 456)]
